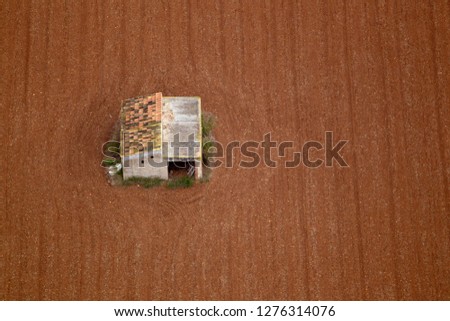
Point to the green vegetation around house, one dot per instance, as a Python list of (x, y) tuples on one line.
[(208, 121), (146, 182), (111, 152), (208, 141), (181, 182)]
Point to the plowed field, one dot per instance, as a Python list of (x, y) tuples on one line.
[(375, 73)]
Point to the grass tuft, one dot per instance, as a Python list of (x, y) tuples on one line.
[(146, 182), (181, 182)]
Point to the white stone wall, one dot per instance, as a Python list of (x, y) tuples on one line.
[(146, 169)]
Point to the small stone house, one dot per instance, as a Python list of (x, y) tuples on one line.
[(161, 133)]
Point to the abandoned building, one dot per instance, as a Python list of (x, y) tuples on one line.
[(159, 135)]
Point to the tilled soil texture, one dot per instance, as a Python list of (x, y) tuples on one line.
[(375, 73)]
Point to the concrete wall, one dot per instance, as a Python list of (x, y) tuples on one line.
[(198, 169), (140, 166)]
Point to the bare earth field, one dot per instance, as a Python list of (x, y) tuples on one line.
[(374, 73)]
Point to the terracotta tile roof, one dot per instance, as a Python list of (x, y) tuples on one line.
[(141, 123)]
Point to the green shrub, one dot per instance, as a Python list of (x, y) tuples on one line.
[(109, 162), (208, 121), (206, 150), (181, 182), (146, 182), (111, 150)]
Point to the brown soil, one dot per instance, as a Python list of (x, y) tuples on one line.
[(376, 75)]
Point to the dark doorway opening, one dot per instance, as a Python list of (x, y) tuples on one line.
[(181, 168)]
